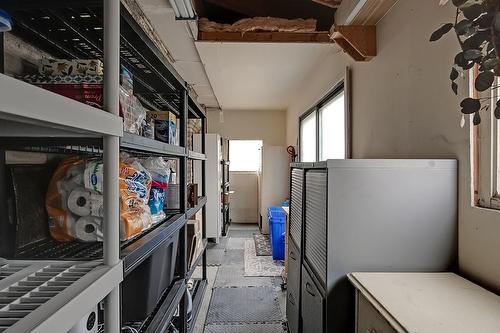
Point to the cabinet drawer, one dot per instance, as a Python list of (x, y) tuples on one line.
[(312, 305), (368, 319), (293, 278), (292, 311)]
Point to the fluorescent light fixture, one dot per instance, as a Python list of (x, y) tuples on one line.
[(183, 9)]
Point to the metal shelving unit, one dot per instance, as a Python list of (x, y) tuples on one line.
[(48, 122), (200, 285)]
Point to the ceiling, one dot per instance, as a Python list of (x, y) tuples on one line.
[(250, 76), (177, 36), (259, 76)]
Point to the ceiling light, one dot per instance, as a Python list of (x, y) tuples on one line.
[(183, 9)]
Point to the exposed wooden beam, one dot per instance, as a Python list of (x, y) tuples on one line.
[(329, 3), (263, 37), (360, 42)]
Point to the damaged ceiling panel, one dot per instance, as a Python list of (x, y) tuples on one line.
[(231, 11)]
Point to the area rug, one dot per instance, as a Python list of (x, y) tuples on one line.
[(260, 265), (262, 245)]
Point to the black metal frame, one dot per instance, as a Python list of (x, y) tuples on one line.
[(158, 86), (337, 89)]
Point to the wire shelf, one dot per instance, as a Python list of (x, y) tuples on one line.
[(49, 249), (76, 32)]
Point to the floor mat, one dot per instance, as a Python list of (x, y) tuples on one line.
[(234, 276), (246, 328), (221, 245), (260, 266), (232, 257), (236, 244), (214, 257), (252, 305), (262, 245), (242, 233)]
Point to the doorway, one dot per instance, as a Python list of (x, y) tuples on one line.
[(246, 164)]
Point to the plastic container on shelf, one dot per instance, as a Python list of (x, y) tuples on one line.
[(277, 220)]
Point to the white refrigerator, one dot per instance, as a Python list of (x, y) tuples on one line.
[(213, 182)]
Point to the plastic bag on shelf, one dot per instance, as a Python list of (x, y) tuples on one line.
[(132, 111), (135, 186), (160, 172)]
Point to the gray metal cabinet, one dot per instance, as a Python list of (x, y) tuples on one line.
[(365, 215), (312, 307), (293, 288)]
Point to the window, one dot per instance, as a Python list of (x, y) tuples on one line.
[(323, 130), (486, 152), (245, 155), (308, 138), (332, 128)]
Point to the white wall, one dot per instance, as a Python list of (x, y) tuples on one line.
[(403, 107), (268, 126)]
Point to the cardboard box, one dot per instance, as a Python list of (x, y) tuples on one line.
[(192, 191), (195, 240), (90, 94), (54, 67), (165, 123)]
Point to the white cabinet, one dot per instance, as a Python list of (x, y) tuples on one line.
[(424, 303), (213, 185)]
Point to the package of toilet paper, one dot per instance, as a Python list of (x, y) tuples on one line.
[(74, 199), (67, 177)]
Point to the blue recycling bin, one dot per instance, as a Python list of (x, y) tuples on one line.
[(277, 220)]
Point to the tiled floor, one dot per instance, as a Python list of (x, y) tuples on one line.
[(235, 303)]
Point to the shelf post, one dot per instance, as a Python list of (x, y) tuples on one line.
[(2, 53), (204, 191), (111, 153), (183, 203)]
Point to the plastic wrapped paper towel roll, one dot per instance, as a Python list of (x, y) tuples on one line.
[(88, 229)]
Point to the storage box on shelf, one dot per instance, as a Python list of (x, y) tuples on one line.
[(82, 127)]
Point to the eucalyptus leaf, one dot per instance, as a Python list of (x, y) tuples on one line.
[(454, 87), (484, 21), (468, 66), (453, 74), (460, 60), (458, 3), (472, 54), (462, 27), (489, 64), (484, 80), (473, 11), (476, 40), (497, 110), (476, 120), (436, 35), (470, 105)]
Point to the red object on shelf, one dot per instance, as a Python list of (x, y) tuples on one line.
[(88, 93)]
